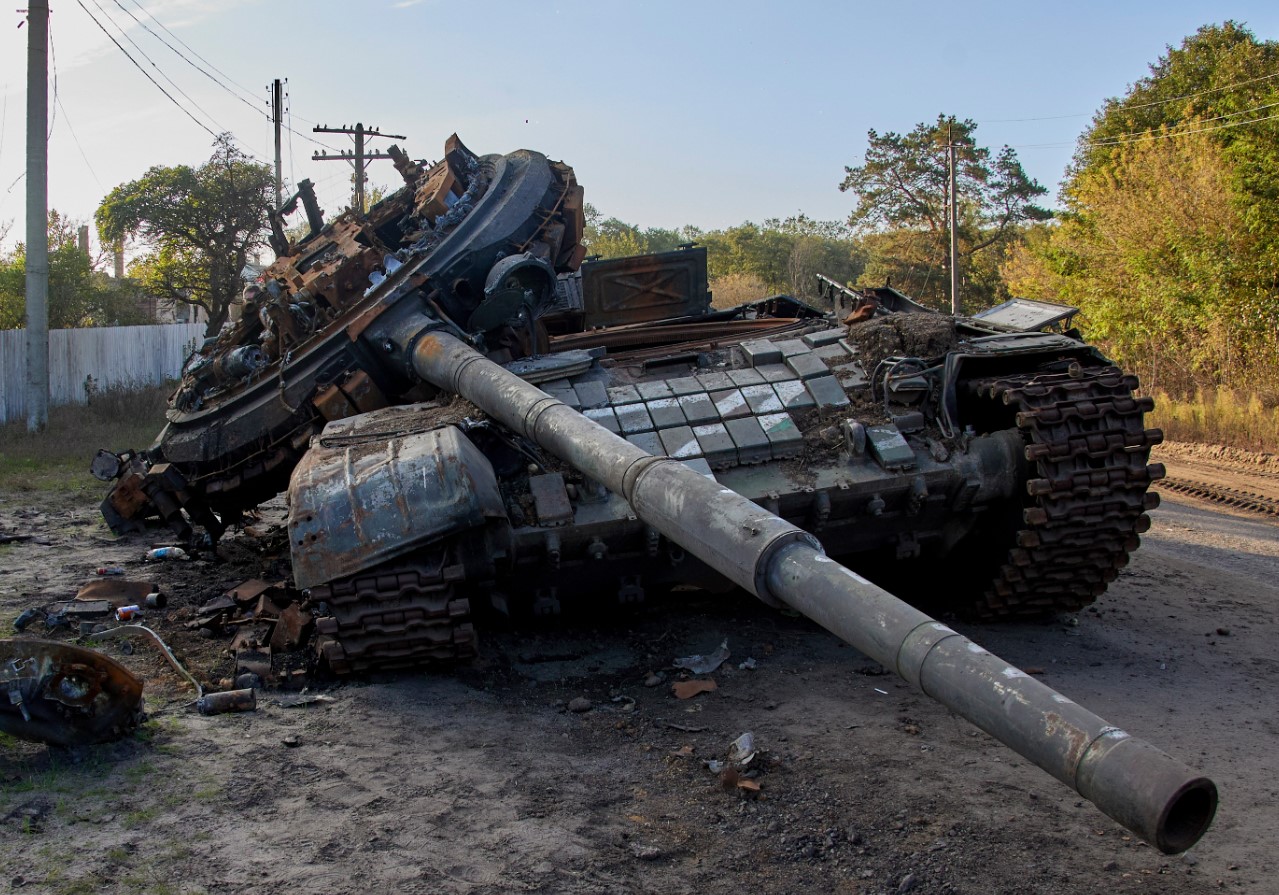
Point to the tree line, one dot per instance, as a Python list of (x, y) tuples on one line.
[(1167, 237)]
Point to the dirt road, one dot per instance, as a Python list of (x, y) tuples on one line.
[(1219, 475), (483, 781)]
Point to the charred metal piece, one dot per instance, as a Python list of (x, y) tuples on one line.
[(65, 695), (293, 360)]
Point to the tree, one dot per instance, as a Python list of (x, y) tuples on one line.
[(201, 225), (1170, 239), (779, 256), (1220, 80), (1163, 268), (902, 184), (79, 294)]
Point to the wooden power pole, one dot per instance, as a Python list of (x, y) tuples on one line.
[(359, 159), (37, 269), (956, 306)]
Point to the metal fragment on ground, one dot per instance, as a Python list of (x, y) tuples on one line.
[(65, 695), (699, 664)]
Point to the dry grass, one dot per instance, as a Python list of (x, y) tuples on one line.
[(1221, 417), (736, 289), (57, 459)]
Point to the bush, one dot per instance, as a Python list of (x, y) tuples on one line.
[(1221, 417), (58, 458)]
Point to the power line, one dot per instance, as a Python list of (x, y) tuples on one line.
[(163, 74), (243, 91), (168, 96), (57, 104), (1147, 105), (1160, 102), (54, 59), (183, 56), (1153, 136), (87, 163), (1171, 134), (1115, 139)]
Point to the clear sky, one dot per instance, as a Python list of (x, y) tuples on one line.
[(700, 111)]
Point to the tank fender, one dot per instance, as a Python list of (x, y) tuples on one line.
[(357, 500)]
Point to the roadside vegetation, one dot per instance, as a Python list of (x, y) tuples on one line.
[(1220, 416), (1166, 236), (1167, 239), (56, 461)]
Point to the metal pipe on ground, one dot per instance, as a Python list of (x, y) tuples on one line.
[(1160, 799)]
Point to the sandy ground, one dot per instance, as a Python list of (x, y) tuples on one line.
[(482, 781), (1224, 476)]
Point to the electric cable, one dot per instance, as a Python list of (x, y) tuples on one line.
[(1149, 136), (163, 73), (147, 74), (183, 56), (1147, 105)]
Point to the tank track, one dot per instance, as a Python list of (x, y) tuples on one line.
[(1087, 491), (399, 615)]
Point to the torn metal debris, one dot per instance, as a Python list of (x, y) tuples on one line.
[(65, 695)]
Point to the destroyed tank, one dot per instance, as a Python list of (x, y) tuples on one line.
[(470, 420)]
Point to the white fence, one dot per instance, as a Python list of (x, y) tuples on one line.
[(128, 356)]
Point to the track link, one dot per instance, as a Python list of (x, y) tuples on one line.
[(399, 615), (1087, 493)]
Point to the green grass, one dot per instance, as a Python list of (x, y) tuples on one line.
[(1221, 417), (56, 461)]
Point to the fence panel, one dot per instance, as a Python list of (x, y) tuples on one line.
[(119, 356)]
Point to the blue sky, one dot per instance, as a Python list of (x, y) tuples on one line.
[(708, 113)]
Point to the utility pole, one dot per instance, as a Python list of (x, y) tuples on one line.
[(37, 215), (277, 115), (359, 159), (956, 306)]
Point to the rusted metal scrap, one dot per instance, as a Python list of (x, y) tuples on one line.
[(65, 695)]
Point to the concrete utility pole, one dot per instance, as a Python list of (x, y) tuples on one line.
[(359, 159), (956, 306), (277, 115), (37, 215)]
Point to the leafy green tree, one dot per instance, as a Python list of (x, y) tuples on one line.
[(79, 294), (1170, 241), (200, 225), (902, 184), (1221, 81)]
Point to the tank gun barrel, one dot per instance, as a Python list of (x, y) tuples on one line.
[(1160, 799)]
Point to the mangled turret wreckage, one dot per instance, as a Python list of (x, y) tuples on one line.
[(468, 419)]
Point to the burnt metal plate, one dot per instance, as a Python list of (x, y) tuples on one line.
[(619, 291), (65, 695), (357, 502)]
